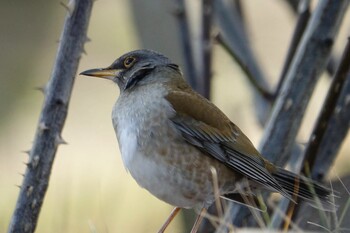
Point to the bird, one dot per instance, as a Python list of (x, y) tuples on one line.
[(171, 138)]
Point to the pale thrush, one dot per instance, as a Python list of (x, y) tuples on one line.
[(170, 137)]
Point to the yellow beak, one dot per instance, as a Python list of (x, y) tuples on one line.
[(106, 73)]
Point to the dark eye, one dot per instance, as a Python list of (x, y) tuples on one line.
[(129, 61)]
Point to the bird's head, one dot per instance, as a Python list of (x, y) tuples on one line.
[(131, 68)]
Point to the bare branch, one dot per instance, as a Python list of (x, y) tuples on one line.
[(185, 36), (303, 19), (197, 58), (335, 105), (52, 119), (319, 136), (307, 65), (336, 131), (238, 6), (332, 125), (293, 4), (260, 89), (205, 50), (235, 38), (333, 60), (233, 34)]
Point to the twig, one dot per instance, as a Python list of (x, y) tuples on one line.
[(318, 135), (307, 65), (197, 58), (306, 68), (234, 35), (53, 115), (293, 4), (303, 19), (332, 62), (338, 127), (238, 6), (185, 36), (261, 90), (204, 66), (330, 108)]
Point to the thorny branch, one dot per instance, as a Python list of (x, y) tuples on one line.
[(52, 118)]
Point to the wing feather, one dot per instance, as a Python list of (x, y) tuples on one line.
[(204, 126)]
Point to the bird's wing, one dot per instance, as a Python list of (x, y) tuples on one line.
[(204, 126)]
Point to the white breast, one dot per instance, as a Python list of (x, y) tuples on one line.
[(131, 120), (139, 121), (127, 142)]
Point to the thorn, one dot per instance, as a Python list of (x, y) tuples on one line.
[(65, 6), (69, 7), (87, 39), (18, 186), (42, 126), (84, 51), (25, 163), (59, 140), (26, 152), (21, 174), (42, 89), (216, 37), (30, 190)]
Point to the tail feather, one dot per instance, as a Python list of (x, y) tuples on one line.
[(312, 192)]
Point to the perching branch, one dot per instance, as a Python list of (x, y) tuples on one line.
[(306, 67), (52, 118)]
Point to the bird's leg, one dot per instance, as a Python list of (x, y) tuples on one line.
[(198, 220), (169, 219)]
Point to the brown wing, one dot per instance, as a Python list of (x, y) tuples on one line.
[(203, 125)]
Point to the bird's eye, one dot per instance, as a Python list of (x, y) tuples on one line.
[(129, 61)]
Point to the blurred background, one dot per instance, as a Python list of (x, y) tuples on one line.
[(90, 191)]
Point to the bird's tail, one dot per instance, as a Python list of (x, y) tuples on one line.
[(312, 192)]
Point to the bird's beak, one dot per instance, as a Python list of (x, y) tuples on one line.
[(106, 73)]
